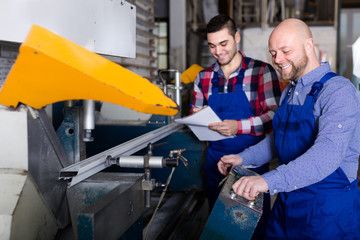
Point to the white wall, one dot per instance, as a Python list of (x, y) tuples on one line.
[(255, 43), (107, 27)]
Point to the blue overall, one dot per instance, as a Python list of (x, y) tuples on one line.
[(324, 210), (232, 105)]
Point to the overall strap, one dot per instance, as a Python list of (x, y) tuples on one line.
[(215, 83), (240, 77), (317, 86), (238, 83)]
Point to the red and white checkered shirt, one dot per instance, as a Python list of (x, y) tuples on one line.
[(260, 84)]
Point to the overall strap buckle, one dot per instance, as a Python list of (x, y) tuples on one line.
[(316, 88)]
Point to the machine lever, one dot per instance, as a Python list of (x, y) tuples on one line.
[(159, 144), (185, 161), (179, 156)]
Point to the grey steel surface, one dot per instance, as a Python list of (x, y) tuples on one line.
[(46, 158), (70, 133), (88, 167), (105, 205), (165, 215)]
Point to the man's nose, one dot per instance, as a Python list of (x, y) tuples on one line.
[(218, 49), (279, 58)]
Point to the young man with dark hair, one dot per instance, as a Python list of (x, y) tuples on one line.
[(244, 93)]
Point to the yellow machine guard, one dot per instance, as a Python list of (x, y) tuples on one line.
[(189, 75), (51, 68)]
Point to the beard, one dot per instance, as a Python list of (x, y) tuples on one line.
[(297, 69)]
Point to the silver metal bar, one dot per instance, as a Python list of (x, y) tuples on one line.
[(178, 88), (88, 167), (89, 114), (139, 162), (147, 192), (88, 120)]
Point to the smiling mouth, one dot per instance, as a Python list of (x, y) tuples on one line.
[(285, 67), (221, 57)]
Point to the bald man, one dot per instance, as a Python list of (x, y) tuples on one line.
[(316, 139)]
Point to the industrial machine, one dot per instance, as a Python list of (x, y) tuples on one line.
[(77, 194), (93, 176)]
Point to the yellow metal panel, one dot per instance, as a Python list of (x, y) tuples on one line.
[(189, 75), (50, 69)]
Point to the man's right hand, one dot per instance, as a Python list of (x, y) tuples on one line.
[(227, 161), (195, 109)]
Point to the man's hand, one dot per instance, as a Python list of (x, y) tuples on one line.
[(195, 109), (227, 161), (250, 187), (226, 127)]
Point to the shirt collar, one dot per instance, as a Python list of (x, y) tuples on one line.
[(243, 65), (316, 74)]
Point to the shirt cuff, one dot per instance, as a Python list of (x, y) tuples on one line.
[(244, 126), (274, 181)]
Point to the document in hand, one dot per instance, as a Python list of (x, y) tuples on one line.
[(198, 123)]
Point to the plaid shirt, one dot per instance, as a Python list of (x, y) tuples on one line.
[(260, 84)]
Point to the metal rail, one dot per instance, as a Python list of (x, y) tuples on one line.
[(88, 167)]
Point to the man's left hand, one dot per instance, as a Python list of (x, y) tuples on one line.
[(249, 187), (226, 127)]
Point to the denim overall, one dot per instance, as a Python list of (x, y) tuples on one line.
[(232, 105), (323, 210)]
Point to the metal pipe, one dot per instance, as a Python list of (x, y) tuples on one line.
[(147, 192), (88, 119), (163, 81), (178, 89), (172, 91)]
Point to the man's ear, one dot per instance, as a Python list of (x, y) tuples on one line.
[(237, 37), (309, 44)]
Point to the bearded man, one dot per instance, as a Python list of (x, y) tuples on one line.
[(316, 138)]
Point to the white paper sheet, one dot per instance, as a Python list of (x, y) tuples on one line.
[(198, 123)]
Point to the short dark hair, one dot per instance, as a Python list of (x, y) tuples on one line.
[(220, 22)]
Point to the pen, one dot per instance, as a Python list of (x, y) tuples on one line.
[(191, 105)]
